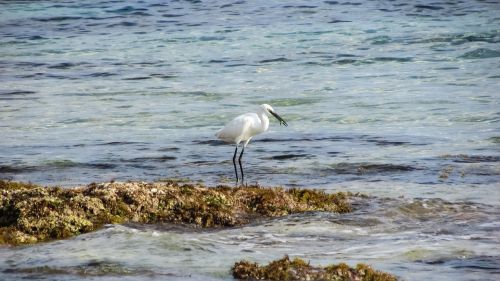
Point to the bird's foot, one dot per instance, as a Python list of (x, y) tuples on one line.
[(240, 184)]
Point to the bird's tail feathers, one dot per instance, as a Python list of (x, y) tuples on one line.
[(218, 134)]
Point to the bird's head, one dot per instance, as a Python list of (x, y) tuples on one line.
[(270, 111)]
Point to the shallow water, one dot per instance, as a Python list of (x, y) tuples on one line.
[(398, 100)]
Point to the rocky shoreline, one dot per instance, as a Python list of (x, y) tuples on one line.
[(31, 213)]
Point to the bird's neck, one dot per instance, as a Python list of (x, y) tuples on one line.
[(264, 120)]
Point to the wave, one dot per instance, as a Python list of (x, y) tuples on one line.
[(163, 158), (128, 10), (490, 263), (481, 53), (280, 59), (57, 19), (53, 165), (464, 158), (18, 95), (288, 156), (369, 168)]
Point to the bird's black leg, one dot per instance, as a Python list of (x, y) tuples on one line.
[(234, 163), (241, 167)]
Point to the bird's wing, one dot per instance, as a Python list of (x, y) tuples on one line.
[(238, 129)]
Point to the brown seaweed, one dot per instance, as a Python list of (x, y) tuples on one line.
[(30, 213), (297, 269)]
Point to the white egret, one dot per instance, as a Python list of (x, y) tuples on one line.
[(244, 127)]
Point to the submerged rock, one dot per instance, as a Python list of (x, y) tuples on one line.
[(30, 213), (297, 270)]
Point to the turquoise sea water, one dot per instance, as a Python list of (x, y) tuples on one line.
[(396, 99)]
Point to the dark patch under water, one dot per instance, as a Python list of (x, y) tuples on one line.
[(163, 158), (428, 7), (54, 165), (120, 143), (90, 269), (57, 19), (165, 149), (288, 156), (211, 142), (490, 263), (16, 93), (274, 60), (306, 138), (481, 53), (101, 74), (4, 169), (377, 140), (369, 168), (385, 142), (64, 65), (137, 78), (462, 158)]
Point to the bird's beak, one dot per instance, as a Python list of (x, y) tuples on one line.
[(279, 118)]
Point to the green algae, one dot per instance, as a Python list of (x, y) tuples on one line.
[(9, 185), (30, 213), (297, 269)]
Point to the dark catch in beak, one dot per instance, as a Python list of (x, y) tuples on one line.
[(279, 118)]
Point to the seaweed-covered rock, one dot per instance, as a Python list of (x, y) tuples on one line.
[(30, 213), (297, 270)]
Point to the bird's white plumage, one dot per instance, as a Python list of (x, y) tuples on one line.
[(245, 126)]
